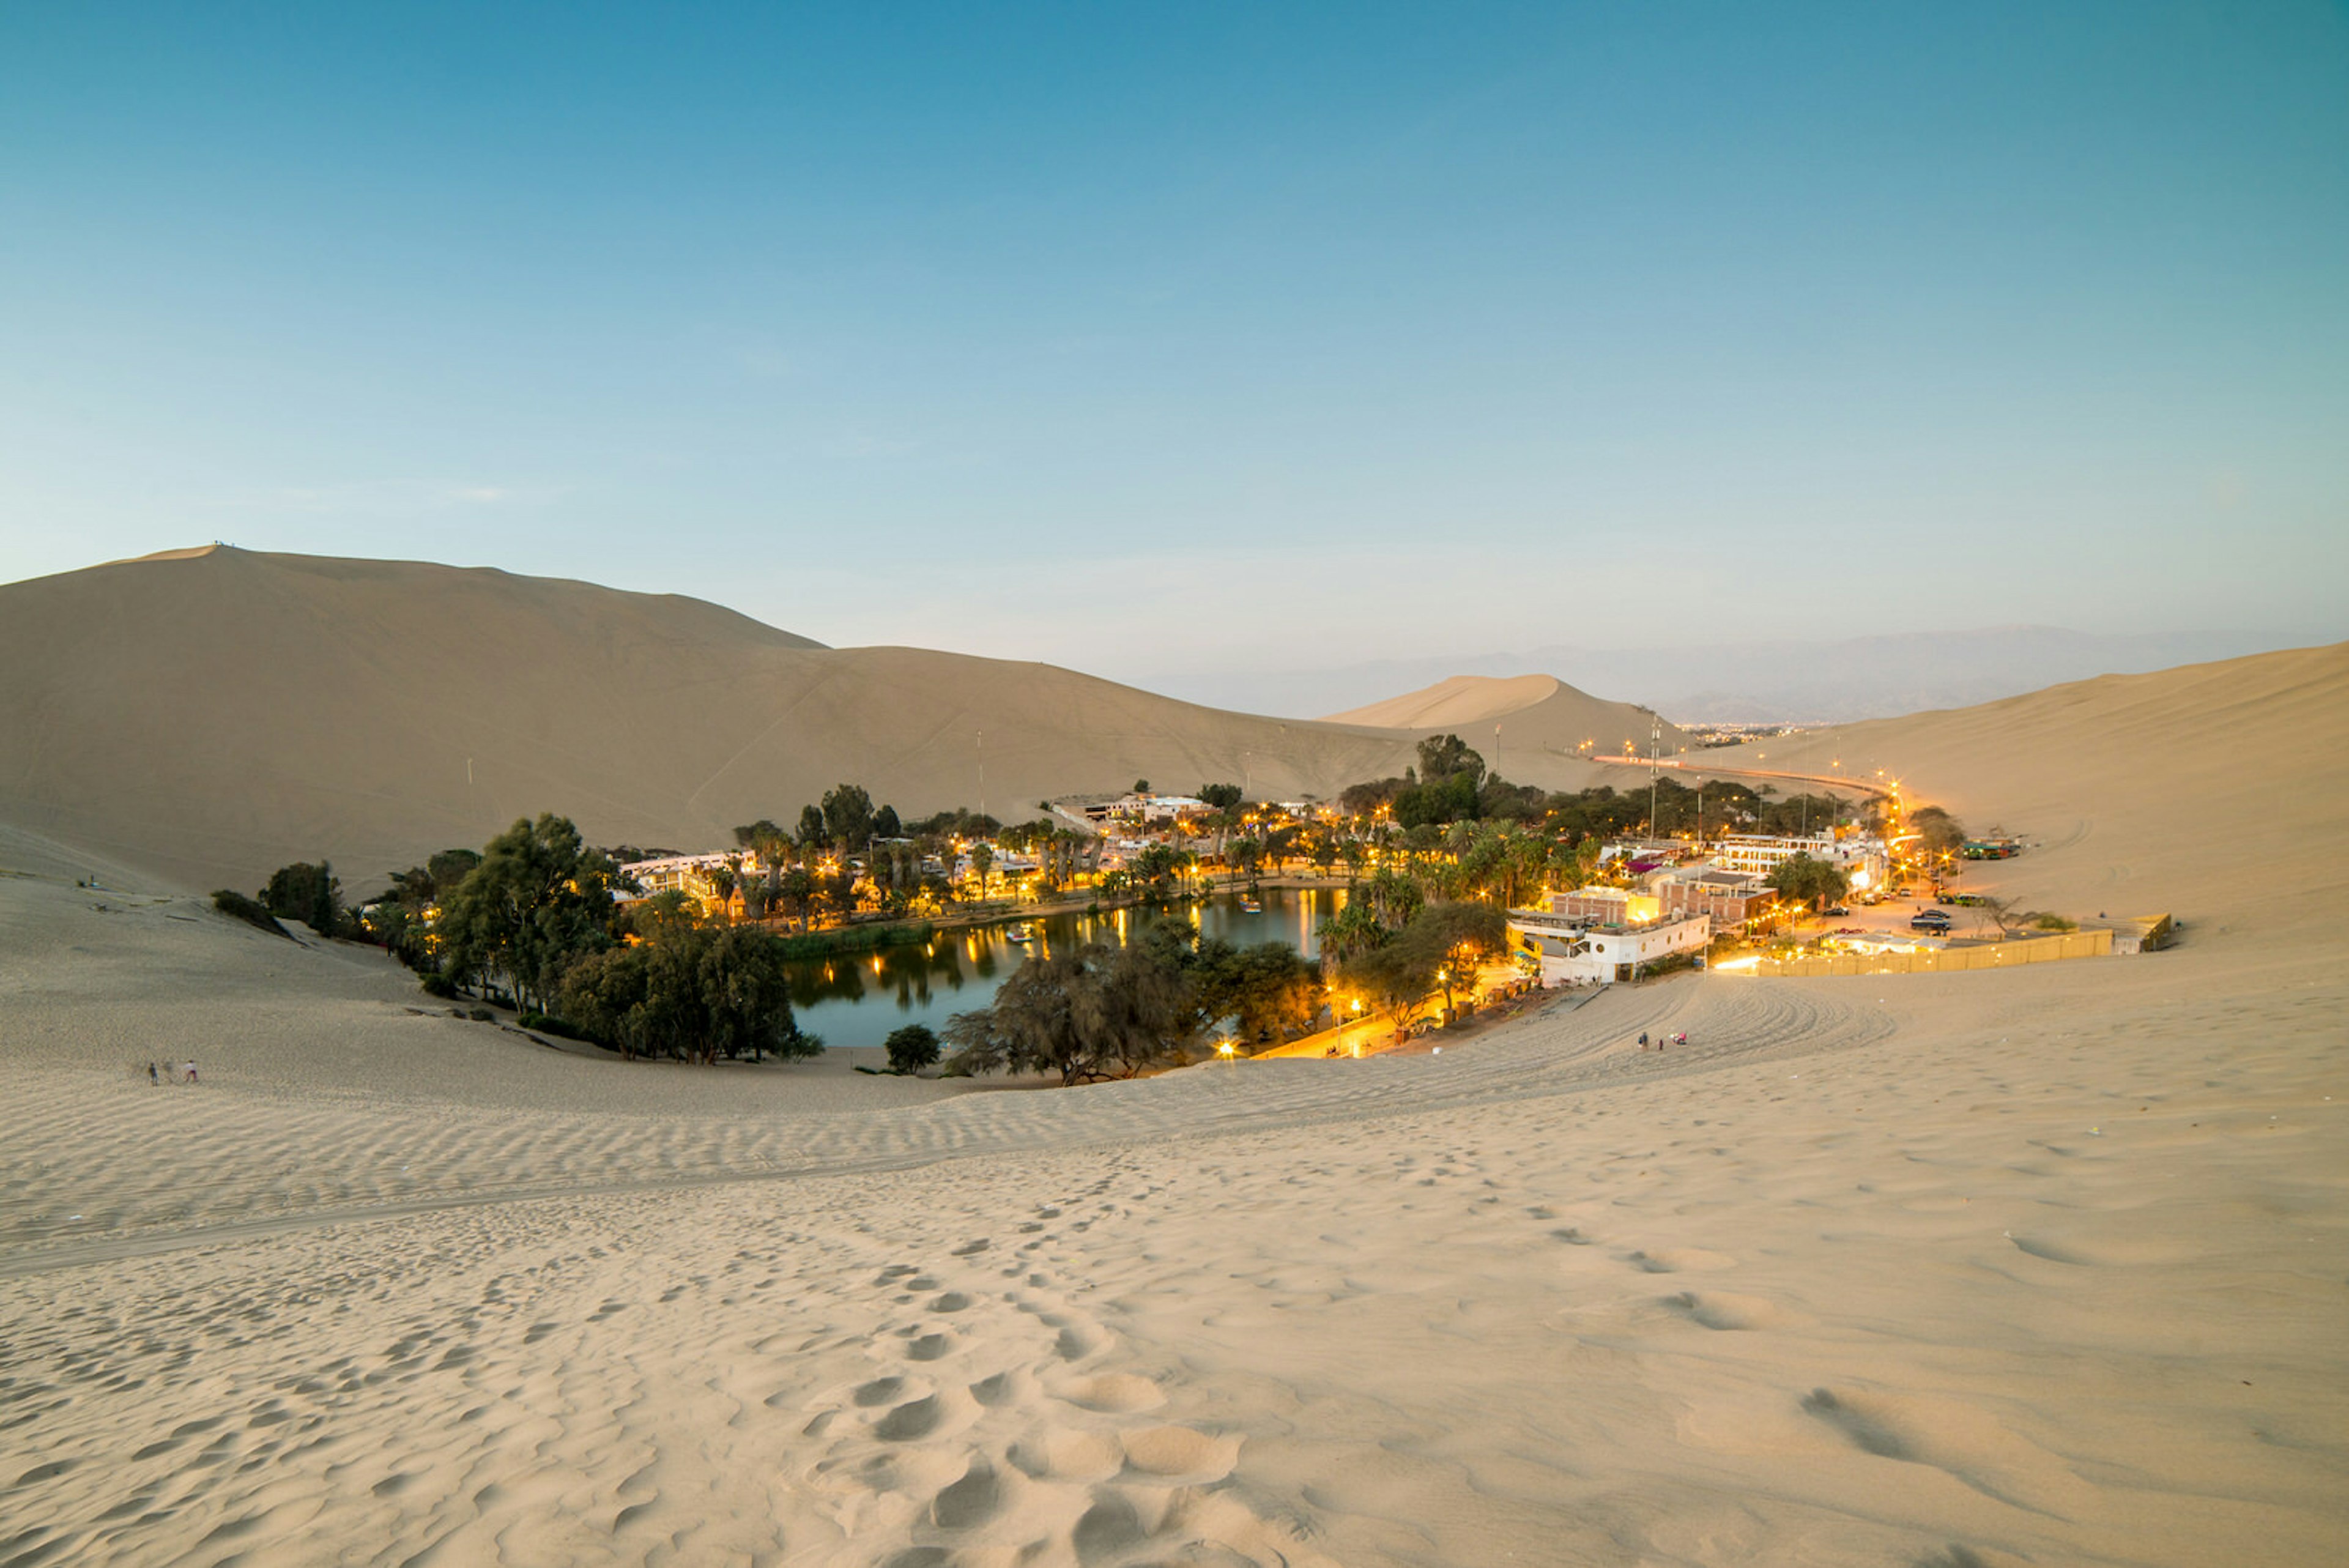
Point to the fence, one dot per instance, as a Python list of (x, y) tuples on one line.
[(1946, 960)]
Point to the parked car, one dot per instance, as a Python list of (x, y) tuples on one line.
[(1835, 912), (1930, 920)]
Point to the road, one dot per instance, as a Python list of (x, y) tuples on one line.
[(1839, 780)]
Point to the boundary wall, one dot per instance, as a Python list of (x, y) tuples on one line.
[(1946, 960)]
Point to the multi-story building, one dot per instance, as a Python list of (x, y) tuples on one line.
[(1571, 948)]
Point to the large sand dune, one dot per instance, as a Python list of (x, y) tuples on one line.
[(2219, 787), (1538, 717), (211, 714), (2040, 1265)]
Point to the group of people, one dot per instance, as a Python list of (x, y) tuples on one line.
[(1662, 1039), (172, 1072)]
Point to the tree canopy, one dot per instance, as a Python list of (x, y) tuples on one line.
[(539, 900), (1088, 1013), (688, 991), (1804, 880)]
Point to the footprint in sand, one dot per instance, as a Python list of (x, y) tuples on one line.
[(1722, 1310), (971, 1502), (929, 1347), (1177, 1456), (880, 1391), (1000, 1389), (914, 1418), (1069, 1455), (1681, 1260), (1117, 1393)]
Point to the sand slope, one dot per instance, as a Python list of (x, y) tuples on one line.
[(211, 715), (2039, 1265), (2215, 788), (1542, 720)]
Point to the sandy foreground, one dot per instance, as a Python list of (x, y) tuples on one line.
[(2041, 1265)]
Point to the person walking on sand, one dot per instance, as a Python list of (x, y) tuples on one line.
[(153, 1075), (1643, 1040), (191, 1067)]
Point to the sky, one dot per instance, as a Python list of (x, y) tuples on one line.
[(1171, 341)]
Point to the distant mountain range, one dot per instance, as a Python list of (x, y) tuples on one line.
[(1775, 681)]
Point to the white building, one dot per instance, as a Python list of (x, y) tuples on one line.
[(1758, 855), (1572, 948), (687, 874)]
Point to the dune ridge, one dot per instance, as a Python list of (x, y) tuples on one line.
[(210, 715)]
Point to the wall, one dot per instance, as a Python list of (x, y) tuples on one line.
[(1948, 960)]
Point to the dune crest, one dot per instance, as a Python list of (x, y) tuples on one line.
[(207, 715), (1461, 700)]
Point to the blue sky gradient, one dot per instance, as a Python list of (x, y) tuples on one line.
[(1151, 340)]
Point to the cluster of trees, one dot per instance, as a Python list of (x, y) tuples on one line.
[(1451, 785), (686, 991), (1102, 1010), (310, 894), (1395, 948), (530, 919), (845, 820), (1802, 879)]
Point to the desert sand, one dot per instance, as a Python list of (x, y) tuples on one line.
[(209, 715), (1542, 721), (2039, 1265)]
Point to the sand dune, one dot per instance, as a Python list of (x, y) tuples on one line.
[(1461, 700), (1541, 720), (210, 715), (2214, 787), (2035, 1265)]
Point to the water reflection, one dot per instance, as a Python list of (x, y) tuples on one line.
[(858, 1000)]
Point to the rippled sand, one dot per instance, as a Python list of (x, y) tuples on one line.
[(2040, 1265)]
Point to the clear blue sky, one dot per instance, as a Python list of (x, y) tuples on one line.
[(1132, 337)]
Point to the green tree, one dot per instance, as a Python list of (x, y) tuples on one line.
[(1804, 880), (812, 834), (1436, 950), (538, 902), (691, 993), (1349, 934), (797, 888), (847, 816), (1443, 757), (912, 1048), (307, 893), (885, 824), (982, 862), (1940, 833), (1270, 989), (1222, 797), (1089, 1013)]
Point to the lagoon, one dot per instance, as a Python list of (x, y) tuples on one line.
[(857, 1001)]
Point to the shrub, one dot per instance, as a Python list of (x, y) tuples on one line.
[(249, 910), (545, 1024), (438, 985), (482, 1015)]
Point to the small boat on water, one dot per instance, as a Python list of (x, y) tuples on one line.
[(1020, 933), (1250, 904)]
